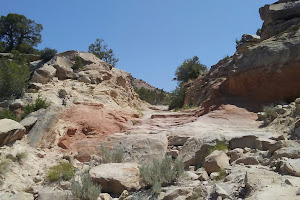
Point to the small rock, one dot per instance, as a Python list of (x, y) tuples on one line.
[(124, 195), (235, 154), (62, 93), (260, 116), (249, 160), (219, 191), (37, 179), (192, 168), (174, 153), (65, 185), (214, 175), (41, 154), (17, 104), (105, 196), (192, 175), (28, 122), (4, 104), (203, 176), (298, 192)]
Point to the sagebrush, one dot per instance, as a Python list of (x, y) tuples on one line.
[(115, 155), (4, 165), (7, 114), (13, 79), (62, 171), (84, 188), (162, 172), (269, 113), (38, 104)]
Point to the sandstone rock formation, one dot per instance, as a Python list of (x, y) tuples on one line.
[(10, 131), (254, 71)]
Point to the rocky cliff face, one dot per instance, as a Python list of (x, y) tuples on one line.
[(95, 81), (263, 70)]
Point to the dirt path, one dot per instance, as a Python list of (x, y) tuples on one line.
[(227, 122)]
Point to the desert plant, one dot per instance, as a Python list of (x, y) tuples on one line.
[(154, 97), (115, 155), (162, 172), (4, 165), (258, 32), (21, 156), (78, 63), (269, 114), (17, 30), (238, 43), (39, 103), (226, 58), (197, 194), (85, 189), (13, 78), (100, 49), (7, 114), (222, 175), (62, 171), (177, 98), (190, 69), (47, 54)]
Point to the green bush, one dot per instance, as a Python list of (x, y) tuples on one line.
[(163, 172), (85, 189), (190, 69), (197, 194), (8, 115), (47, 54), (62, 171), (27, 49), (154, 97), (78, 63), (226, 58), (38, 104), (112, 156), (4, 166), (2, 47), (13, 79), (258, 32), (177, 98), (269, 114), (21, 156)]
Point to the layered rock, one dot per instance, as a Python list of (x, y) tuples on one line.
[(265, 70), (10, 131)]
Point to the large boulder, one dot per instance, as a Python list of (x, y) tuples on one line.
[(10, 131), (116, 177), (280, 11), (43, 74), (216, 161), (142, 148)]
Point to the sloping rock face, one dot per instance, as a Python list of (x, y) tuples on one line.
[(265, 70)]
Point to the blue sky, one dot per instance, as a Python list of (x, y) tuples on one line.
[(150, 37)]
